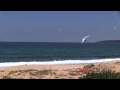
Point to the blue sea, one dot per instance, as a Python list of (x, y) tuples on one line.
[(21, 53)]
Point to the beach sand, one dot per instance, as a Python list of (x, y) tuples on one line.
[(55, 71)]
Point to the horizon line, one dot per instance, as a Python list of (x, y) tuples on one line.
[(45, 41)]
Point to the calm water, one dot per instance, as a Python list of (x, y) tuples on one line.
[(46, 51)]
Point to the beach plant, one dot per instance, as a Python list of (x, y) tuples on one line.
[(7, 77), (103, 74)]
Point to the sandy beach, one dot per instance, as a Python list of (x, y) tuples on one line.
[(55, 71)]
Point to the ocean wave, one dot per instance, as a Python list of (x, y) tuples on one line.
[(9, 64)]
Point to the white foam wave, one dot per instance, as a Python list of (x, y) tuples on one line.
[(8, 64)]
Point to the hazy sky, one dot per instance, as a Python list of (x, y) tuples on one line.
[(59, 26)]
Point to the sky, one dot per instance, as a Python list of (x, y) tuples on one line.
[(59, 26)]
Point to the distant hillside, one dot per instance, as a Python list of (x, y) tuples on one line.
[(109, 41)]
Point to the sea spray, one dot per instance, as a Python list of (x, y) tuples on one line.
[(8, 64)]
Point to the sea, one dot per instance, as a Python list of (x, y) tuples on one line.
[(26, 53)]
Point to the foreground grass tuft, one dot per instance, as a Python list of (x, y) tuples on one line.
[(7, 77), (104, 74)]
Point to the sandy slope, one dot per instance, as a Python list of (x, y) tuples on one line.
[(55, 71)]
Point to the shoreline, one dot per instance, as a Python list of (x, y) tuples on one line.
[(55, 71)]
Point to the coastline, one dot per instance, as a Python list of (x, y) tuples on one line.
[(57, 71)]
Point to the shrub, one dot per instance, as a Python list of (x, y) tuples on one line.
[(7, 77), (104, 74)]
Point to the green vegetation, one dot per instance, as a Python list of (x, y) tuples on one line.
[(7, 77), (104, 74)]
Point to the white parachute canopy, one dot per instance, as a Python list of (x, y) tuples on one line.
[(84, 39)]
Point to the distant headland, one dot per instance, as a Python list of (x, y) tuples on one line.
[(108, 41)]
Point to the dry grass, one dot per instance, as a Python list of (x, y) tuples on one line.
[(31, 72)]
